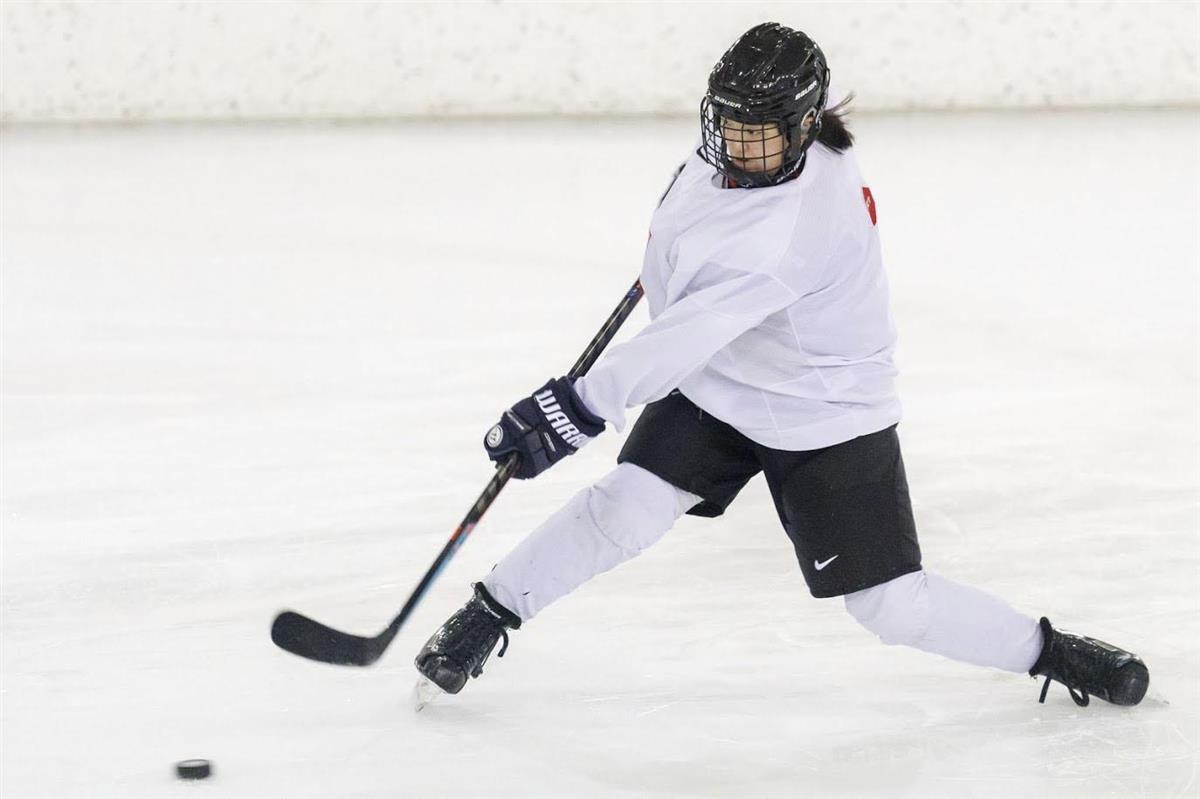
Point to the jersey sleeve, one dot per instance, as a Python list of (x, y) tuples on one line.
[(683, 338)]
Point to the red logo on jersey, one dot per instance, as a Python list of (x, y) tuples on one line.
[(870, 201)]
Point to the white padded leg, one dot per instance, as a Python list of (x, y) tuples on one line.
[(600, 527), (933, 614)]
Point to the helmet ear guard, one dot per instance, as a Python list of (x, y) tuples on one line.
[(810, 127)]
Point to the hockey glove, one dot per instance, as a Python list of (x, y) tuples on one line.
[(543, 429)]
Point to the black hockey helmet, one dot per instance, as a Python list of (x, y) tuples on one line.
[(765, 99)]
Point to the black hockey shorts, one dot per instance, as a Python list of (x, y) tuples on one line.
[(845, 507)]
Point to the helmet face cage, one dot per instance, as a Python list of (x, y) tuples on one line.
[(751, 150)]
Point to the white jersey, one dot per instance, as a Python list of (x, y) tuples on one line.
[(769, 309)]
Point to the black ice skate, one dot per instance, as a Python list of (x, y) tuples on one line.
[(1089, 668), (460, 647)]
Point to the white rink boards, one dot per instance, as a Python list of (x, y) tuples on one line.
[(249, 368)]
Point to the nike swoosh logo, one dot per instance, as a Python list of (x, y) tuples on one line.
[(826, 563)]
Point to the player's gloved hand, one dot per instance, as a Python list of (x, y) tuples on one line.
[(543, 429)]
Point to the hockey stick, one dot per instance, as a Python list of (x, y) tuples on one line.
[(310, 639)]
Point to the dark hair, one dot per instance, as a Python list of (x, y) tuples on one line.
[(834, 133)]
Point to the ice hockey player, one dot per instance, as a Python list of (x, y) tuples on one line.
[(770, 349)]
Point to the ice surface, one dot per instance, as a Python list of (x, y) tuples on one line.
[(250, 368)]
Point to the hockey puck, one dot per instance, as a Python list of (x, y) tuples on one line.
[(193, 769)]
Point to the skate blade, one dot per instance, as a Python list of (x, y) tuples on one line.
[(424, 693)]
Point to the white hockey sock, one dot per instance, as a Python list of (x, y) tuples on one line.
[(931, 613), (601, 526)]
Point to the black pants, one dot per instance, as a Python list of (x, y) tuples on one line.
[(845, 507)]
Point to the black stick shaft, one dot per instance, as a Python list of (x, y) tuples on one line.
[(505, 470), (307, 638)]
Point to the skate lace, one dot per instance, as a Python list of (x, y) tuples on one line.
[(479, 635), (1078, 697), (1085, 664)]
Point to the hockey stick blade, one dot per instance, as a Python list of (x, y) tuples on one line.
[(310, 639)]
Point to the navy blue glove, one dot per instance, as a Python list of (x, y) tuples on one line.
[(543, 429)]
